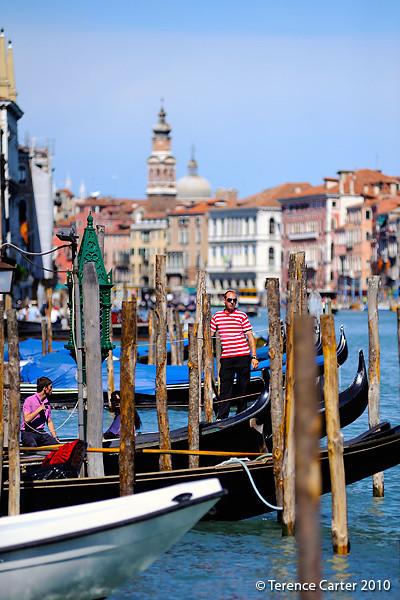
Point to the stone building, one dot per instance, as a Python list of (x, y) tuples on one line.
[(245, 244), (26, 190), (333, 225)]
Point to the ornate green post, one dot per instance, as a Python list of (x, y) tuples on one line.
[(89, 251)]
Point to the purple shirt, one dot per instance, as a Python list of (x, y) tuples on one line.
[(30, 405), (115, 427)]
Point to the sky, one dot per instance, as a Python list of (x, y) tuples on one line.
[(266, 92)]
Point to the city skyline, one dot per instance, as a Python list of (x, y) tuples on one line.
[(266, 94)]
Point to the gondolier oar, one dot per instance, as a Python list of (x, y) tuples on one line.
[(153, 451)]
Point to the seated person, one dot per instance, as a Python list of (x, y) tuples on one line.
[(115, 428), (36, 413)]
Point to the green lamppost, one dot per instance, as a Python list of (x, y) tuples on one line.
[(89, 251)]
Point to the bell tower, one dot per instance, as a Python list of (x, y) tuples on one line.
[(161, 188)]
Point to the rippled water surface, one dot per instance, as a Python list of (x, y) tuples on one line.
[(226, 560)]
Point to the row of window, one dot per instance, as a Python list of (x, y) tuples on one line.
[(162, 175), (300, 206), (304, 227), (232, 226), (354, 215), (220, 285)]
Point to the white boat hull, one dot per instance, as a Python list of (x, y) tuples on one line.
[(85, 552)]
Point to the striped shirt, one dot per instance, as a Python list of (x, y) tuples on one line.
[(232, 328)]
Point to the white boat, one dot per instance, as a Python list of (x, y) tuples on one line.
[(85, 552)]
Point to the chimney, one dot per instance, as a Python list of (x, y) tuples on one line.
[(342, 179), (330, 182)]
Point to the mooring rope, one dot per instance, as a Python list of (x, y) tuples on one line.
[(245, 467)]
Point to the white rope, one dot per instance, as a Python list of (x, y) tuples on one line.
[(245, 467), (68, 418)]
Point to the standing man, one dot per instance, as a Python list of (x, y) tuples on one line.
[(36, 412), (236, 358)]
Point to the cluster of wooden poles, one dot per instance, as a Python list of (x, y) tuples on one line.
[(294, 399), (200, 359), (296, 422)]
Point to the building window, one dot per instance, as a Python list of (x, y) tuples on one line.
[(272, 226), (368, 214), (184, 236), (271, 257), (22, 174)]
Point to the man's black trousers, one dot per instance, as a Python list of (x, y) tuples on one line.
[(231, 366)]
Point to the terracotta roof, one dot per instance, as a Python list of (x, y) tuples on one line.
[(65, 191), (271, 196), (317, 190), (159, 214), (387, 204), (63, 223), (363, 178), (198, 208)]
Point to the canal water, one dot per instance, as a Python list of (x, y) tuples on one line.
[(250, 559)]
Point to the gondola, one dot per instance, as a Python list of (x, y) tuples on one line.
[(177, 394), (374, 451), (249, 431), (61, 368)]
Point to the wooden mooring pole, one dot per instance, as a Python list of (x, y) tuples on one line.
[(152, 338), (288, 515), (298, 270), (110, 368), (374, 370), (199, 319), (179, 337), (44, 336), (340, 535), (194, 400), (15, 414), (128, 366), (161, 372), (218, 352), (276, 385), (308, 471), (208, 362), (91, 323), (49, 309), (170, 323)]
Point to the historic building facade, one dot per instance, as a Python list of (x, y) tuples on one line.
[(333, 224), (26, 183)]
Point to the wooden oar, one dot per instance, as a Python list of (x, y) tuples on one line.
[(153, 451)]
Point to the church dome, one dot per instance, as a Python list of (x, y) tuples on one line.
[(192, 186)]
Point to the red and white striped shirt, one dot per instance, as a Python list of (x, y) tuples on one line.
[(232, 328)]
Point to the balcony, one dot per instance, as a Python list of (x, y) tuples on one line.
[(305, 235)]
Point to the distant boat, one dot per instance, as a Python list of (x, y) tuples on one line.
[(88, 550), (251, 311)]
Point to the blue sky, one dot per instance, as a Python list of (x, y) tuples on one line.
[(266, 91)]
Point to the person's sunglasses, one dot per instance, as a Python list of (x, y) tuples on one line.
[(234, 300)]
